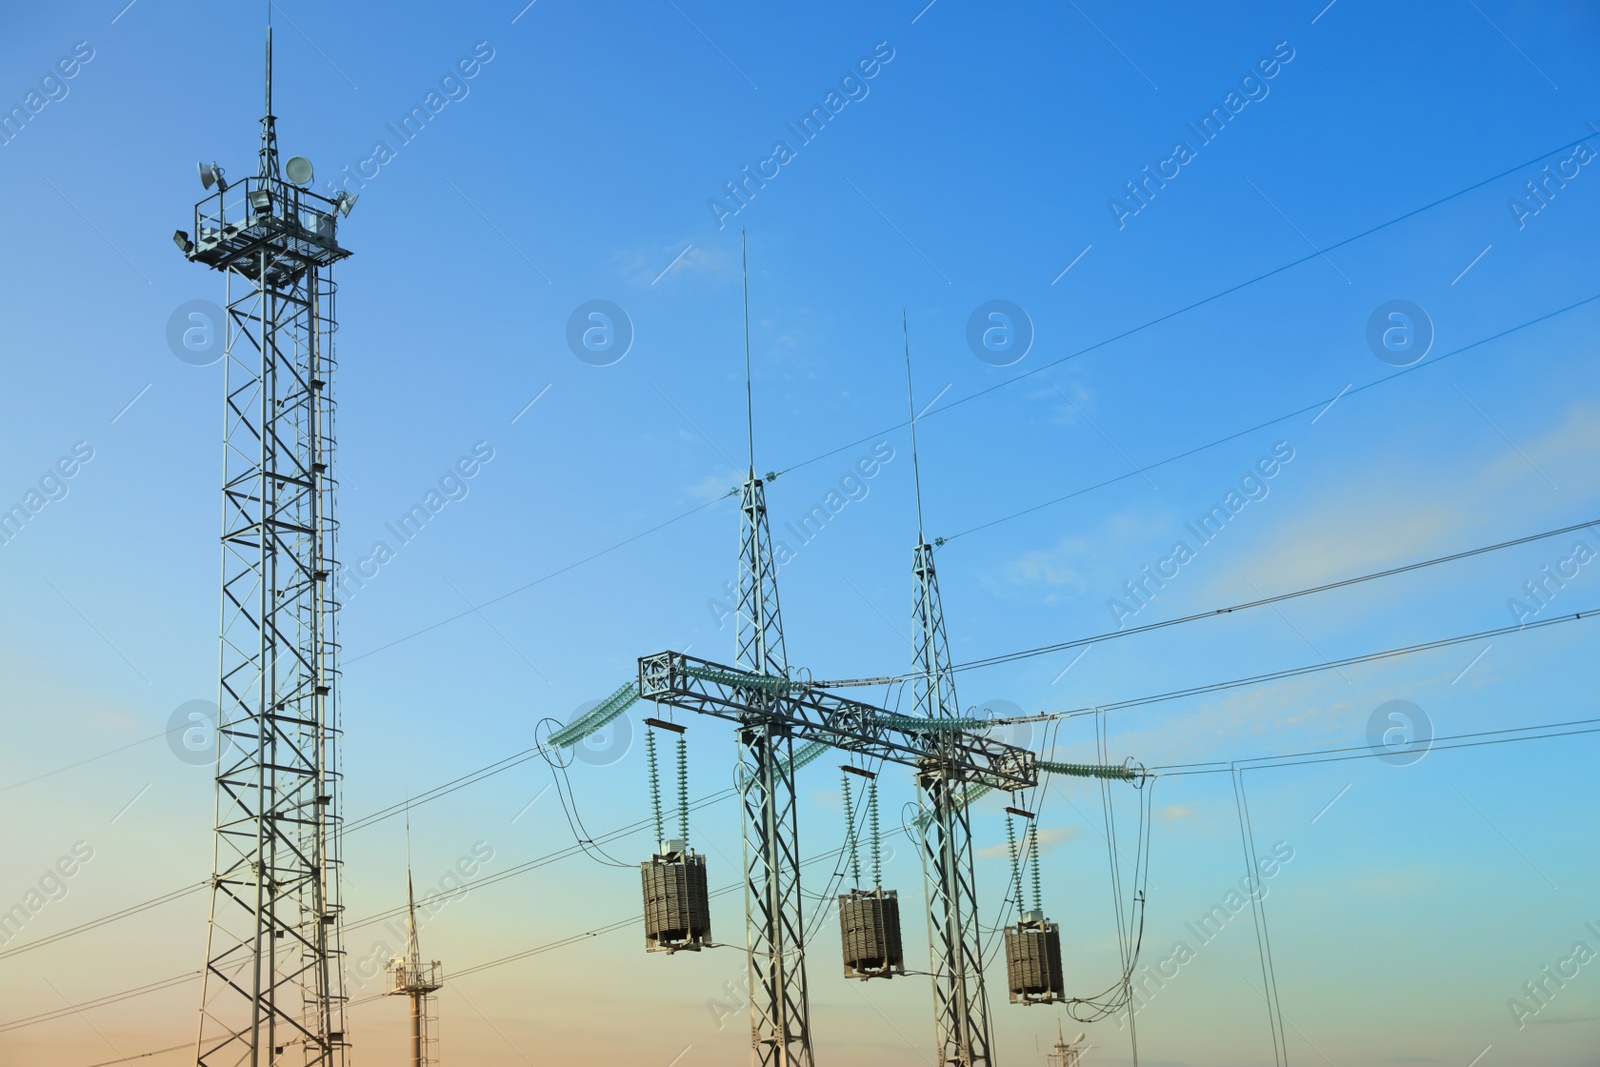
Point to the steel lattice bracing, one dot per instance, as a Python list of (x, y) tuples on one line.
[(961, 1008), (780, 1027), (815, 716), (274, 988)]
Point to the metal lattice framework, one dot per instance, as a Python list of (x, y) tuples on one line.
[(817, 716), (274, 987), (948, 757), (955, 947), (780, 1008)]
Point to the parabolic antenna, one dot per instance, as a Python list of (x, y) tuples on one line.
[(298, 170)]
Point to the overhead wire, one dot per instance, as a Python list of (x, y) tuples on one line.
[(1258, 918), (1441, 743), (1035, 370), (542, 579), (123, 913), (1326, 665), (1053, 716), (1063, 646), (145, 1055), (569, 801), (1204, 301), (1515, 735), (1322, 404)]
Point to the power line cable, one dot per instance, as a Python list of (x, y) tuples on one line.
[(1258, 919), (125, 913), (145, 1055), (1318, 405), (1063, 646), (1447, 743), (541, 580), (1443, 743), (1327, 665), (717, 797), (1045, 366), (1203, 301), (940, 541)]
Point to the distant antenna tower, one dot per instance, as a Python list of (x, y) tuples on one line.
[(1065, 1054), (780, 1027), (961, 1008), (274, 958), (419, 981)]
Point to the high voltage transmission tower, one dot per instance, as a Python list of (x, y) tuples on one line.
[(772, 711), (954, 759), (780, 1025), (961, 1009), (274, 962)]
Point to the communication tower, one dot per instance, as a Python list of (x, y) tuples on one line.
[(418, 981), (1065, 1054), (274, 986)]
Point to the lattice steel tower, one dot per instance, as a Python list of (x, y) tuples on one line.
[(955, 947), (274, 987), (780, 1028)]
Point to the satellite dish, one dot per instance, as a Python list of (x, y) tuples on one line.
[(298, 170)]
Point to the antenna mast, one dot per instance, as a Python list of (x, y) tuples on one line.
[(416, 980), (269, 121), (274, 971)]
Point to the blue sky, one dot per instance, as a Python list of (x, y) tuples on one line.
[(984, 159)]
